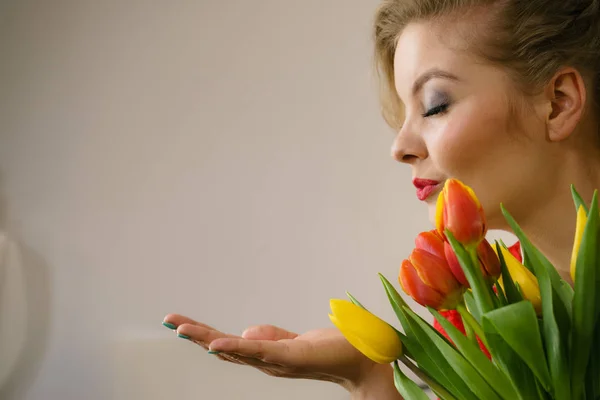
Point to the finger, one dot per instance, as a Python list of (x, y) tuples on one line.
[(202, 334), (241, 360), (176, 320), (271, 352), (267, 332), (230, 358)]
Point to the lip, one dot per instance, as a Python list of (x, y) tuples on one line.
[(425, 187)]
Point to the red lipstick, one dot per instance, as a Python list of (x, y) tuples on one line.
[(425, 187)]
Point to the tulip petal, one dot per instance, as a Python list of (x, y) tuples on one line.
[(489, 260), (454, 265), (581, 221), (368, 333), (431, 242), (434, 271), (471, 193), (413, 286), (459, 211), (439, 214), (528, 283), (463, 214), (405, 277)]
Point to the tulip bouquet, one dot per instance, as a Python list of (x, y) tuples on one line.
[(506, 326)]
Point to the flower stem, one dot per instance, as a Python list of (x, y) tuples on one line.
[(471, 322), (470, 333), (480, 289)]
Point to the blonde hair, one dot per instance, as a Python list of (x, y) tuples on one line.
[(532, 39)]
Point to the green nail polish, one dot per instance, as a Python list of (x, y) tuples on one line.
[(214, 352), (170, 326), (183, 336)]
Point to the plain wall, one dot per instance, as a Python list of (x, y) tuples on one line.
[(222, 159)]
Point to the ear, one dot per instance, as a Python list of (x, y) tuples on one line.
[(567, 95)]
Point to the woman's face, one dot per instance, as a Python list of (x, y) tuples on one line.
[(461, 122)]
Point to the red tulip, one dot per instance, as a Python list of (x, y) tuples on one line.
[(428, 279), (459, 211)]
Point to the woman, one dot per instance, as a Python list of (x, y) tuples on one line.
[(503, 95)]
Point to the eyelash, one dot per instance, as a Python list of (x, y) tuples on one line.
[(442, 108)]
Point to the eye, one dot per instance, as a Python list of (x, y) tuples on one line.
[(442, 108)]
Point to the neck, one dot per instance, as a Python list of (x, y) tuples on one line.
[(550, 223)]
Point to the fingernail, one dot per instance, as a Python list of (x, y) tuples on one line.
[(170, 326), (214, 352), (183, 336)]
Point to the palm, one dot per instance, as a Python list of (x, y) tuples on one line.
[(327, 352), (321, 354)]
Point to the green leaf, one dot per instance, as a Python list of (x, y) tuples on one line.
[(413, 341), (539, 261), (542, 394), (551, 286), (463, 368), (527, 262), (396, 301), (470, 333), (353, 300), (596, 361), (472, 306), (501, 295), (469, 321), (473, 353), (451, 380), (584, 312), (513, 366), (593, 371), (482, 292), (518, 326), (578, 200), (427, 364), (407, 388), (440, 391), (512, 293)]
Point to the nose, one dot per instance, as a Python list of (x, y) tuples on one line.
[(408, 146)]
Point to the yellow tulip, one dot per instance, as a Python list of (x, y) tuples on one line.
[(528, 283), (370, 335), (581, 221)]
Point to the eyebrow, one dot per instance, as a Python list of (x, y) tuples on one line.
[(430, 74)]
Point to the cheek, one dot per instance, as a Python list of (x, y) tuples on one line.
[(467, 141)]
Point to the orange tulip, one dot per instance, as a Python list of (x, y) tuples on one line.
[(431, 242), (459, 211), (428, 279), (488, 261), (454, 265)]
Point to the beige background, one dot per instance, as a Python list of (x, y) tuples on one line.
[(221, 159)]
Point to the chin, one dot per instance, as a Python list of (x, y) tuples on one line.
[(431, 210)]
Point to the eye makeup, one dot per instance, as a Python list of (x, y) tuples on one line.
[(437, 104)]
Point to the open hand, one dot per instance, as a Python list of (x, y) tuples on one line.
[(321, 354)]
